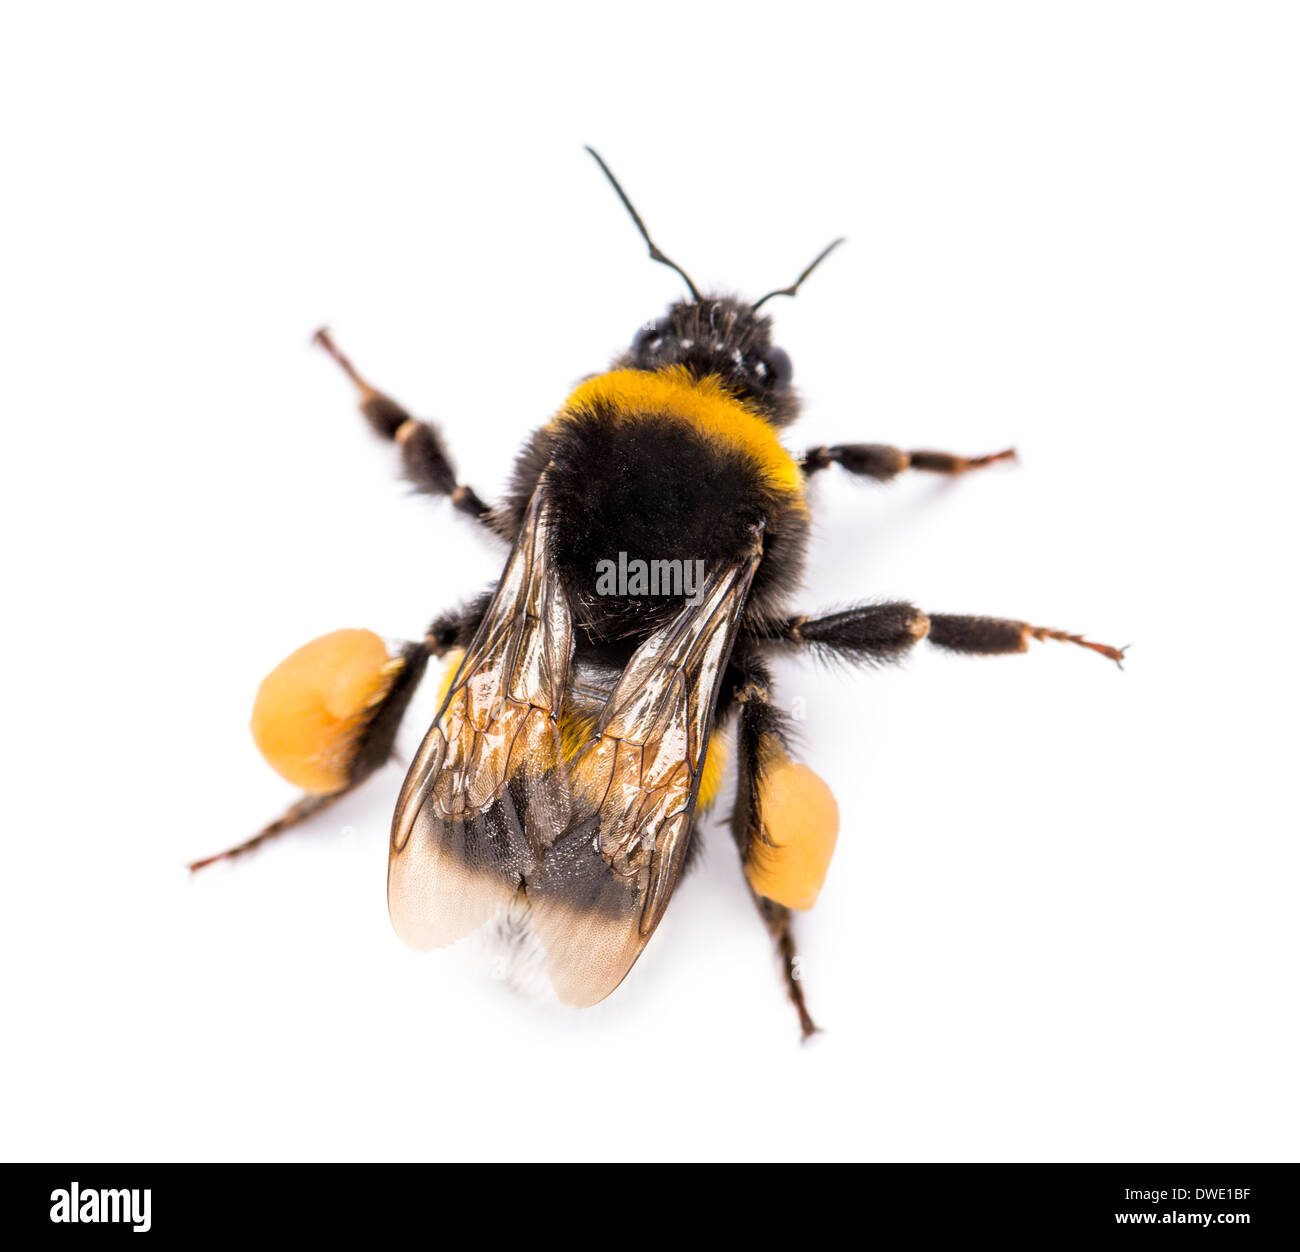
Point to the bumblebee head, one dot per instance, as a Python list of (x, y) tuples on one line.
[(717, 335), (725, 338)]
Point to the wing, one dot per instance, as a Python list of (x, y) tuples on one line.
[(598, 895), (486, 792), (492, 812)]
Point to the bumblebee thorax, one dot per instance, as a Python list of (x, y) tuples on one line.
[(658, 466)]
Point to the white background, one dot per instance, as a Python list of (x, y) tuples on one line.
[(1061, 922)]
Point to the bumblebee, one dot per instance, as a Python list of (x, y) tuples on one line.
[(657, 527)]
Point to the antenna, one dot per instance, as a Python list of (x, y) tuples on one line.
[(789, 291), (655, 254)]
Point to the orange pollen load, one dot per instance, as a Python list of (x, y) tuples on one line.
[(311, 709), (801, 822)]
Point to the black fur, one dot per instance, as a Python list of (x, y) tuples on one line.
[(723, 337), (377, 743), (989, 636), (456, 628), (867, 632), (656, 489)]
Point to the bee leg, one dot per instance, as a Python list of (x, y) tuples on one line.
[(373, 747), (424, 455), (875, 633), (761, 729), (456, 629), (996, 636), (872, 633), (451, 630), (779, 923), (294, 815), (882, 462)]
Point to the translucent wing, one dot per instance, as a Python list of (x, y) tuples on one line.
[(492, 814), (486, 793), (599, 893)]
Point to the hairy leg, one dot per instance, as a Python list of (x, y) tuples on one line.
[(883, 462), (881, 632), (375, 745), (424, 455), (761, 732)]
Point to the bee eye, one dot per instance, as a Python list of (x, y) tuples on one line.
[(646, 336), (780, 369)]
